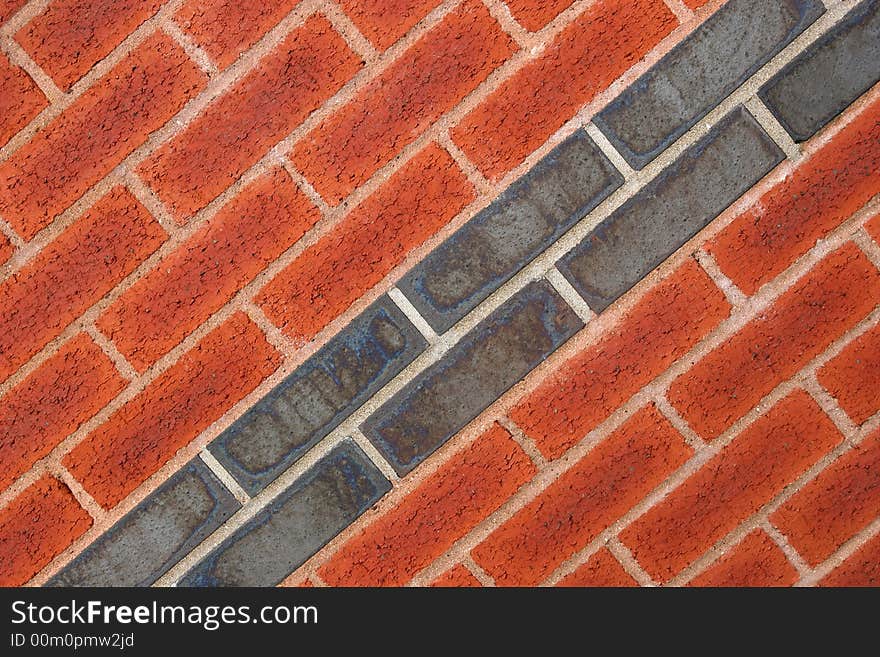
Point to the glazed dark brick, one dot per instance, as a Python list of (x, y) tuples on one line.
[(670, 210), (700, 72), (529, 216), (827, 77), (298, 523), (156, 534), (496, 354), (318, 396)]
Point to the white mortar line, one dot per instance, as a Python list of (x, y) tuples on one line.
[(629, 563), (95, 510), (794, 558), (772, 127), (413, 315), (482, 576), (735, 296), (353, 36), (527, 444), (840, 556), (609, 151), (191, 48), (570, 295), (682, 12), (224, 476), (375, 456), (126, 369)]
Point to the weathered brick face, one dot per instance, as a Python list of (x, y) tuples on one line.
[(455, 294)]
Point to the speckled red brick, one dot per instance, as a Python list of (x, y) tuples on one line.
[(384, 21), (853, 376), (20, 100), (601, 570), (237, 129), (36, 527), (861, 569), (582, 61), (6, 249), (9, 7), (70, 274), (147, 431), (873, 228), (71, 36), (535, 15), (464, 491), (458, 577), (93, 135), (583, 501), (747, 474), (226, 28), (398, 105), (659, 329), (66, 390), (333, 273), (754, 561), (204, 272)]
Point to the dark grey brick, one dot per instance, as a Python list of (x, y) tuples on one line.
[(670, 210), (700, 72), (318, 396), (156, 534), (497, 353), (827, 77), (299, 522), (530, 215)]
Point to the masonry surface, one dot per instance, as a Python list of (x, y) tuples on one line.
[(440, 293)]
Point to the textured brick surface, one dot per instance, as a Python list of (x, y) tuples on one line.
[(152, 537), (840, 502), (755, 561), (20, 99), (670, 210), (586, 57), (6, 249), (204, 272), (585, 390), (385, 21), (93, 135), (852, 377), (71, 36), (730, 380), (315, 508), (747, 474), (141, 436), (480, 368), (319, 395), (458, 577), (469, 487), (74, 271), (700, 72), (861, 569), (36, 527), (602, 569), (328, 276), (240, 126), (49, 405), (529, 216), (226, 28), (818, 196), (394, 108), (831, 74), (8, 8), (583, 501), (535, 15)]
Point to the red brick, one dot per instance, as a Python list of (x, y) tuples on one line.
[(71, 273), (662, 327), (853, 376), (392, 110), (373, 239), (818, 196), (614, 476), (755, 561), (442, 509), (141, 436), (873, 228), (861, 569), (51, 403), (730, 380), (198, 278), (695, 4), (6, 249), (384, 21), (71, 36), (458, 577), (20, 99), (8, 8), (586, 57), (839, 503), (36, 527), (83, 144), (237, 129), (602, 569), (226, 28), (732, 486), (535, 15)]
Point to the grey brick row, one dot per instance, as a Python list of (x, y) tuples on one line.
[(700, 72), (829, 75)]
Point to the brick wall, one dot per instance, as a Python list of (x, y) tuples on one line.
[(459, 293)]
